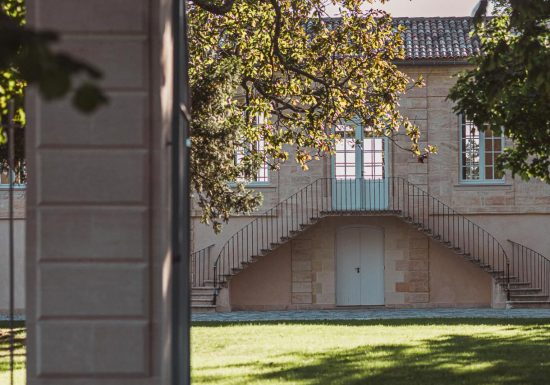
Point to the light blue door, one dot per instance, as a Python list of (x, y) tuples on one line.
[(359, 171)]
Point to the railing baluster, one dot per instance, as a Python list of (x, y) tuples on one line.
[(358, 195)]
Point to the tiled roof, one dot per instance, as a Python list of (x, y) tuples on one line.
[(436, 38)]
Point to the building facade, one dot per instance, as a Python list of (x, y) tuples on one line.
[(374, 226)]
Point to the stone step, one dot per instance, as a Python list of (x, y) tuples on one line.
[(519, 284), (528, 305), (203, 309), (201, 302), (524, 290), (528, 297)]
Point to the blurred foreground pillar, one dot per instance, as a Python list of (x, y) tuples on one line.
[(98, 208)]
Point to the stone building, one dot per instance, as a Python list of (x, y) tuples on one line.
[(373, 225)]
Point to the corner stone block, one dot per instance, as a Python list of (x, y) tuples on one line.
[(113, 290), (93, 234), (417, 297), (93, 348), (124, 171), (94, 15), (301, 298), (123, 61), (122, 122)]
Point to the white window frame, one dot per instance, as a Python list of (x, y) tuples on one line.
[(16, 186), (263, 172), (482, 165)]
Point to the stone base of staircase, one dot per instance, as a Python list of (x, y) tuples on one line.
[(201, 299), (528, 305)]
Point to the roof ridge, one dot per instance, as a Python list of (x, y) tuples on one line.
[(430, 17)]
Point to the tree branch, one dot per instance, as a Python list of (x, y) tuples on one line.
[(215, 8)]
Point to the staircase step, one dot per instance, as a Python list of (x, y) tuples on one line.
[(294, 232), (236, 270), (496, 272), (529, 297), (314, 219), (274, 245), (483, 265), (503, 279), (305, 226), (202, 288), (285, 239), (202, 301), (528, 305), (203, 309), (519, 284), (265, 251), (525, 290), (199, 298)]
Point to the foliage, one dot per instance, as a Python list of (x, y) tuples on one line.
[(26, 57), (508, 90), (304, 72)]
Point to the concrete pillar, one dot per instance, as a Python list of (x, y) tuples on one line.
[(98, 202)]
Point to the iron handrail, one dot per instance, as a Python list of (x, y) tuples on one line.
[(390, 196), (530, 267), (201, 266)]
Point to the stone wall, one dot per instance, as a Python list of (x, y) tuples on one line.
[(418, 272), (429, 108)]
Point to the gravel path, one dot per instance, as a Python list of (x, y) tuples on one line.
[(343, 315)]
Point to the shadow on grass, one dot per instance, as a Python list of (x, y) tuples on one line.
[(480, 359), (19, 346)]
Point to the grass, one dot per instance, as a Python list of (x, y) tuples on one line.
[(397, 352), (393, 352), (19, 353)]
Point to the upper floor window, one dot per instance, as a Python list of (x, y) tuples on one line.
[(478, 153), (262, 176)]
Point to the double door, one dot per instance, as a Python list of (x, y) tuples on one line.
[(360, 266), (360, 169)]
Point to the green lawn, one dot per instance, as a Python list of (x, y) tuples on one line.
[(427, 352), (19, 353)]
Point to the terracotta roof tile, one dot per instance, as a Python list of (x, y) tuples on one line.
[(438, 38)]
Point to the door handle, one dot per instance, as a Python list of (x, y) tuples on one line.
[(358, 270)]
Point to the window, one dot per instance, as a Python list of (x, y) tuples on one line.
[(262, 176), (358, 154), (478, 153)]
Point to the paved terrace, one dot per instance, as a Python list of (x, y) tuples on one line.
[(343, 315)]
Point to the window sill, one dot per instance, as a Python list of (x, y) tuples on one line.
[(256, 185), (482, 185), (6, 187)]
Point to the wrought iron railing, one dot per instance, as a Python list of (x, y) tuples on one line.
[(201, 267), (530, 267), (389, 196)]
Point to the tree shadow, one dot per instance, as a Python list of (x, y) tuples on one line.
[(480, 359), (19, 348)]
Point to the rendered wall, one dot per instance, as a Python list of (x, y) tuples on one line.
[(418, 272), (97, 231)]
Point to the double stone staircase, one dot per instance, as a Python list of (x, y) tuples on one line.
[(524, 275)]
